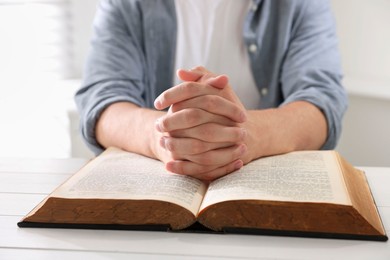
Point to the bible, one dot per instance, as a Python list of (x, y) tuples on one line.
[(305, 193)]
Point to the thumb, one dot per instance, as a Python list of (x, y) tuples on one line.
[(218, 82), (191, 75), (187, 75)]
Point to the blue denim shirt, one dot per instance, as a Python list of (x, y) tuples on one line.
[(292, 46)]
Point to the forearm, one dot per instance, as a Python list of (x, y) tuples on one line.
[(296, 126), (129, 127)]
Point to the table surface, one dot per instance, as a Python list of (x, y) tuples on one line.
[(25, 182)]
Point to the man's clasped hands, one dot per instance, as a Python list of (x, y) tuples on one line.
[(205, 133)]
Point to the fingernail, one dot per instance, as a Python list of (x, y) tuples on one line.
[(243, 149), (243, 116), (157, 124), (172, 167), (238, 165), (157, 104), (169, 166), (243, 133), (162, 142)]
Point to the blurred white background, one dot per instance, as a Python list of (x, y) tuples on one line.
[(43, 46), (42, 50)]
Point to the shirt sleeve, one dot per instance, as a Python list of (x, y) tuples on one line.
[(114, 64), (312, 71)]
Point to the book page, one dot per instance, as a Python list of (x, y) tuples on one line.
[(120, 175), (308, 176)]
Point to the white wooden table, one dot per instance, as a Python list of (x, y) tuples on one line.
[(25, 182)]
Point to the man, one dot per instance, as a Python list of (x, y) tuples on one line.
[(281, 91)]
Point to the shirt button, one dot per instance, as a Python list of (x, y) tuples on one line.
[(253, 48), (254, 7), (264, 91)]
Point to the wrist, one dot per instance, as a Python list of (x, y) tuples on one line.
[(293, 127)]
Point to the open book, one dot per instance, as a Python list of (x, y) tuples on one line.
[(308, 193)]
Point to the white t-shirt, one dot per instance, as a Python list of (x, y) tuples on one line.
[(210, 35)]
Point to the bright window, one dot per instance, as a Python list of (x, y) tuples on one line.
[(35, 58)]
